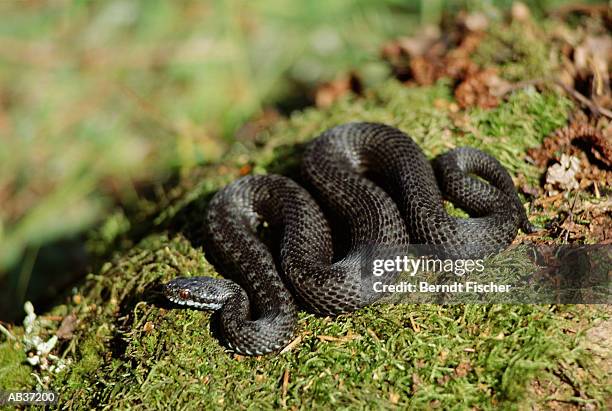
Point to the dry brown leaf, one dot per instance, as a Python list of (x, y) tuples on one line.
[(329, 93), (480, 89)]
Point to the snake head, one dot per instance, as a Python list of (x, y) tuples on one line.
[(203, 293)]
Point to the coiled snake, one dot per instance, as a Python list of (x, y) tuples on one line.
[(258, 301)]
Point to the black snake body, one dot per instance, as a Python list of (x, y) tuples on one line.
[(257, 302)]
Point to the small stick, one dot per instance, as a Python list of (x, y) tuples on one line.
[(292, 344), (285, 386), (7, 333)]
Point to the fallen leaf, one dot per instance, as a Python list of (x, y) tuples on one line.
[(330, 92), (463, 369)]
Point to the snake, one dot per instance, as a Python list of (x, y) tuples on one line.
[(365, 188)]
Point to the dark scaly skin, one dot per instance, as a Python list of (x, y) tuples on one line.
[(258, 311), (412, 181)]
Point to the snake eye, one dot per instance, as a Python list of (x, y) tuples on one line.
[(184, 294)]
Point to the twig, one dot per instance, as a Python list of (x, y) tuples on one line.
[(7, 333), (415, 326), (594, 107), (285, 387), (571, 217), (292, 344)]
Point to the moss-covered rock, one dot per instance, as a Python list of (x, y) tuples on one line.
[(129, 348)]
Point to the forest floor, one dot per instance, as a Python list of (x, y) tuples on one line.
[(529, 93)]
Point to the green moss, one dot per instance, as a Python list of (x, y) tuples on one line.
[(517, 50), (14, 371), (130, 349)]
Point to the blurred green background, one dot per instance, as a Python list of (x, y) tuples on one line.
[(100, 100)]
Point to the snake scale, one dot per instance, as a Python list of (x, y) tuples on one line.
[(374, 180)]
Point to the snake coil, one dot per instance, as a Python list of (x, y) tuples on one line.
[(257, 302)]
